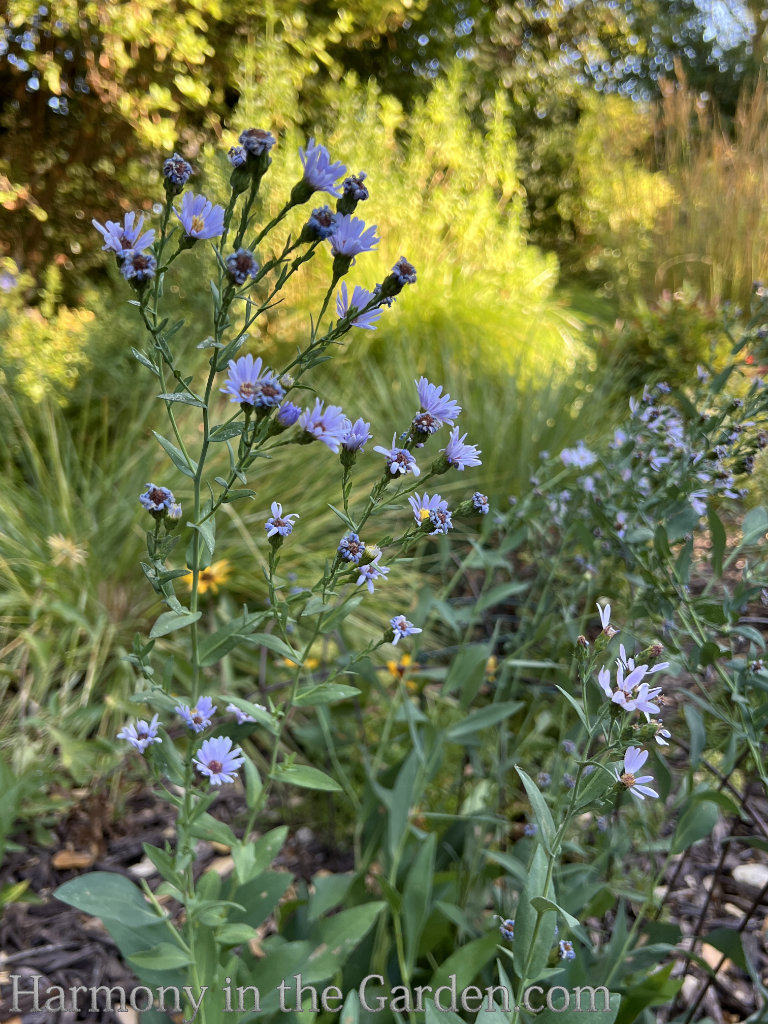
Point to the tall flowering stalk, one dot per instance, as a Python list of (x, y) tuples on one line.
[(252, 410)]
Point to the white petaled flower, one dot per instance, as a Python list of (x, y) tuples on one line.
[(631, 692), (605, 620), (634, 759), (662, 734)]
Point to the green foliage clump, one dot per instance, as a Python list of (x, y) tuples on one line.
[(665, 341)]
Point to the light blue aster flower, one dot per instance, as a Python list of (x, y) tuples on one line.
[(351, 548), (199, 717), (460, 455), (217, 759), (352, 237), (436, 408), (326, 425), (199, 217), (127, 235), (137, 267), (357, 434), (360, 299), (287, 414), (399, 460), (567, 952), (401, 628), (424, 506), (480, 503), (246, 383), (319, 172), (370, 572), (279, 524), (157, 500), (141, 735), (507, 929)]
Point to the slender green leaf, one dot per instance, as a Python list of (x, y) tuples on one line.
[(176, 457), (304, 776), (168, 622)]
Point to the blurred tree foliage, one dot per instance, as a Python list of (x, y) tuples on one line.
[(89, 88)]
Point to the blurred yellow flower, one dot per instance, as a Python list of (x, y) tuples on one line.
[(399, 668), (65, 550), (309, 664), (211, 578)]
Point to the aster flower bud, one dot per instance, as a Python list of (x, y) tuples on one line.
[(321, 225), (241, 265), (353, 192), (250, 160), (177, 173), (403, 273), (371, 553)]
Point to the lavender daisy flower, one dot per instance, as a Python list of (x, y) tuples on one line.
[(278, 524), (401, 627), (459, 454), (351, 548), (399, 460), (242, 716), (241, 265), (321, 225), (424, 506), (480, 503), (370, 572), (569, 747), (436, 408), (141, 735), (127, 235), (177, 173), (357, 434), (237, 156), (157, 500), (256, 141), (567, 952), (137, 267), (319, 173), (360, 299), (247, 385), (217, 759), (634, 759), (326, 425), (199, 217), (199, 717), (507, 929), (352, 237), (287, 414), (543, 779)]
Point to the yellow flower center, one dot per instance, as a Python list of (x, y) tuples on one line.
[(628, 780), (423, 514), (197, 223)]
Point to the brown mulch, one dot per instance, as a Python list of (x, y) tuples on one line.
[(61, 946)]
